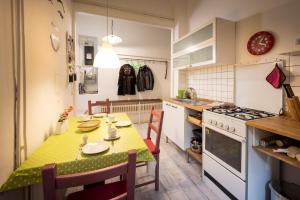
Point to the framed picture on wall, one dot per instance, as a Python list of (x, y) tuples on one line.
[(88, 55)]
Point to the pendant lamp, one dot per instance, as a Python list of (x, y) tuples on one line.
[(106, 57)]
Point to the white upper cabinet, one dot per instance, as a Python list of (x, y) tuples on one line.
[(212, 43)]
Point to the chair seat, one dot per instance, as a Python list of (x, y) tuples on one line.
[(151, 146), (100, 192)]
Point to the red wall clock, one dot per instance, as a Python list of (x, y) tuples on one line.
[(260, 43)]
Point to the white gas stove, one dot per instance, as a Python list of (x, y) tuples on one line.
[(225, 149)]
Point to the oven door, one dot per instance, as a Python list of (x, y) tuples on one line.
[(227, 149)]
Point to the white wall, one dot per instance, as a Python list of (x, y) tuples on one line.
[(201, 11), (6, 91), (47, 91), (138, 40)]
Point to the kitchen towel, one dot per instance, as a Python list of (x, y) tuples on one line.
[(276, 77)]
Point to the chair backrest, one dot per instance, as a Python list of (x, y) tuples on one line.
[(105, 103), (52, 182), (159, 115)]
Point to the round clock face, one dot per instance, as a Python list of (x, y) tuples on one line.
[(260, 43)]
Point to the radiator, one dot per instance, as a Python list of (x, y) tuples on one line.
[(135, 108), (137, 112)]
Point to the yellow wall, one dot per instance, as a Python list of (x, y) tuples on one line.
[(47, 90), (6, 92)]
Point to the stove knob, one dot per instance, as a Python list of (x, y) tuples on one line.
[(220, 124), (231, 129), (214, 122), (226, 127), (210, 121)]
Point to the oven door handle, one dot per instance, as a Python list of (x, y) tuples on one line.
[(230, 135)]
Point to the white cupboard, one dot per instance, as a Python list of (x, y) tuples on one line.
[(211, 43), (175, 126)]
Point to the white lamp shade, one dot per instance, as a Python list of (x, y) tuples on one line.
[(112, 39), (106, 57)]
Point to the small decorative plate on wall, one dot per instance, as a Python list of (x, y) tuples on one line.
[(260, 43)]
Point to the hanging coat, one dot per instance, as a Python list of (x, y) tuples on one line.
[(127, 80), (145, 79)]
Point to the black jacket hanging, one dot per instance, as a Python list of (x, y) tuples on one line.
[(145, 79), (127, 80)]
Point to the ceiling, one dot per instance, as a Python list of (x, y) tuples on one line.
[(232, 9)]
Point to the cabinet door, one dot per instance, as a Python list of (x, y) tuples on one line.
[(197, 37), (204, 55), (181, 61), (178, 123), (168, 128)]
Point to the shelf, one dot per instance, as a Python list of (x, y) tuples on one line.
[(279, 156), (194, 121), (278, 125), (291, 53), (196, 156)]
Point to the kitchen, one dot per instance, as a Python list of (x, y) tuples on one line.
[(229, 124)]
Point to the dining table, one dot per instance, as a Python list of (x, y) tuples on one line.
[(64, 150)]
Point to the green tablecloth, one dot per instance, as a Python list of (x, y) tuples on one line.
[(63, 150)]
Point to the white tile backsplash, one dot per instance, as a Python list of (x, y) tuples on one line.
[(213, 82)]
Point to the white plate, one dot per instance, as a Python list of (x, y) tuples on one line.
[(99, 115), (107, 138), (94, 147), (123, 123)]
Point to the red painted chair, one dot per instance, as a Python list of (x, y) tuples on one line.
[(123, 189), (105, 103), (154, 147)]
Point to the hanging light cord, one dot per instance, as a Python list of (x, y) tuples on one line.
[(112, 28), (107, 17)]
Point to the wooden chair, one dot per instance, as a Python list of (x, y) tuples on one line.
[(154, 147), (105, 103), (123, 189)]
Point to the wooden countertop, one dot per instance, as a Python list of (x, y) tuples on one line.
[(279, 125), (190, 106)]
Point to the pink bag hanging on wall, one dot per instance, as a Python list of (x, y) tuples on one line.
[(276, 77)]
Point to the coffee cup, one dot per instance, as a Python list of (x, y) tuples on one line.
[(112, 133), (111, 119), (83, 117)]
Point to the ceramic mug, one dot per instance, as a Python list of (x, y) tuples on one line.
[(111, 119), (83, 117), (112, 132)]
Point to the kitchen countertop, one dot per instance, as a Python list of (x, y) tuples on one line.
[(278, 125), (191, 106)]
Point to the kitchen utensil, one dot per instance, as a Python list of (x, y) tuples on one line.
[(100, 115), (293, 151), (294, 107), (79, 152), (108, 138), (83, 118), (190, 93), (289, 91), (111, 119), (180, 94), (112, 132), (276, 77), (123, 123), (284, 142), (84, 139), (89, 125), (94, 147)]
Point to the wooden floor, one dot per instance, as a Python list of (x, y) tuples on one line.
[(179, 180)]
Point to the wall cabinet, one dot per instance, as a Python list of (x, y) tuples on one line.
[(175, 126), (212, 43)]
